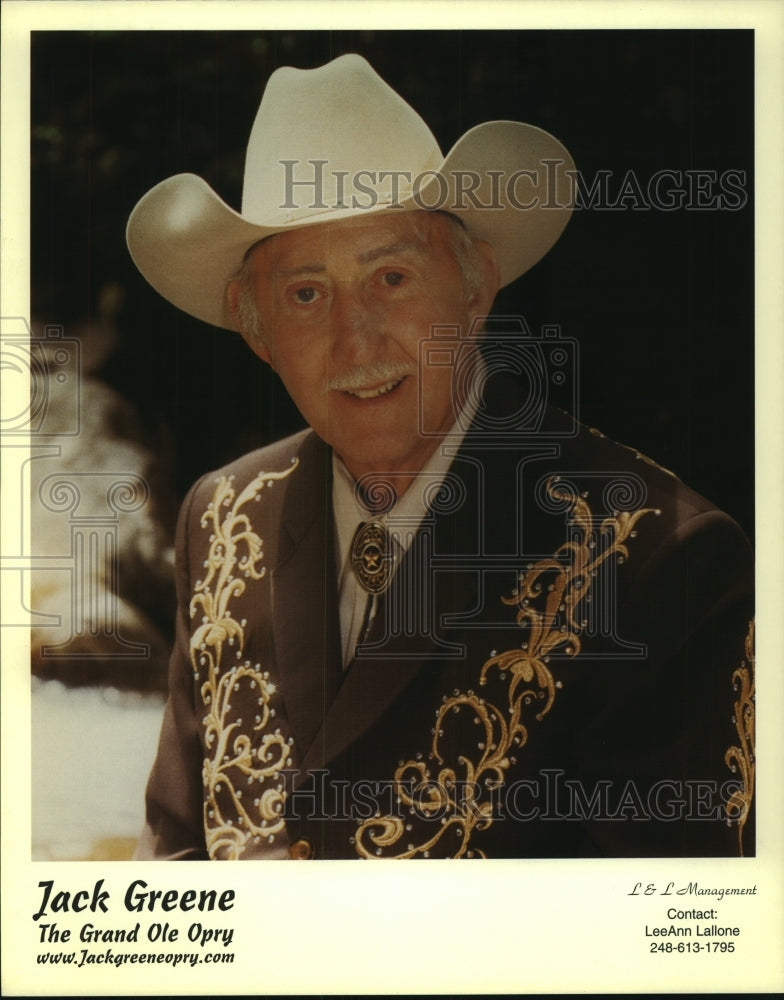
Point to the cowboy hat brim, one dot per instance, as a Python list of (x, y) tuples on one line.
[(510, 183)]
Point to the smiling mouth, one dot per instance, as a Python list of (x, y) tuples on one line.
[(375, 391)]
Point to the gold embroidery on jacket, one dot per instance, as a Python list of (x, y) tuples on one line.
[(740, 759), (549, 596), (234, 558)]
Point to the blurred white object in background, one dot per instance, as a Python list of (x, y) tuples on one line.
[(92, 750)]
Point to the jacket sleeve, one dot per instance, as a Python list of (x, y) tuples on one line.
[(174, 828), (675, 727)]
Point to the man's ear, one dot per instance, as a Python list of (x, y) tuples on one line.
[(484, 295), (255, 343)]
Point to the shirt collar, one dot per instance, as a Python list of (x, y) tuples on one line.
[(407, 513)]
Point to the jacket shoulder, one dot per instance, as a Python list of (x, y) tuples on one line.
[(274, 458), (621, 468), (250, 473)]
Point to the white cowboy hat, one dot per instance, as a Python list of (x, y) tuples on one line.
[(337, 142)]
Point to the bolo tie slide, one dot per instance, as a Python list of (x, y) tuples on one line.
[(371, 557)]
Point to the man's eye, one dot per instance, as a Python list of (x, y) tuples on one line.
[(305, 295), (392, 278)]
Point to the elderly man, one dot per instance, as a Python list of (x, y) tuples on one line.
[(446, 620)]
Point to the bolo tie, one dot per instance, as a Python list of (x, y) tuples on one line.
[(373, 563)]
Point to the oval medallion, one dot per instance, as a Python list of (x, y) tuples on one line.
[(371, 557)]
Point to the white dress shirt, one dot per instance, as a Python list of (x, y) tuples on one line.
[(402, 521)]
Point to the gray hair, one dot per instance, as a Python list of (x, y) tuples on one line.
[(247, 313), (462, 246)]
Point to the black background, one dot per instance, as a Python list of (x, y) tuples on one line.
[(661, 303)]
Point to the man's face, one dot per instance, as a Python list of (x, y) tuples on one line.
[(343, 308)]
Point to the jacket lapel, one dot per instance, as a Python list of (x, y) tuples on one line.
[(330, 708), (407, 634), (305, 618)]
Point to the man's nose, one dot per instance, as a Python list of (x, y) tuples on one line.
[(354, 326)]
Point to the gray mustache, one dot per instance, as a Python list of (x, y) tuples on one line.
[(374, 374)]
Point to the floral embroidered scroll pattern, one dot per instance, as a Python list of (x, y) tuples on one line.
[(549, 598), (740, 759), (234, 559)]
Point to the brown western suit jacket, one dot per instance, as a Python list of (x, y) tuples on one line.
[(562, 666)]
